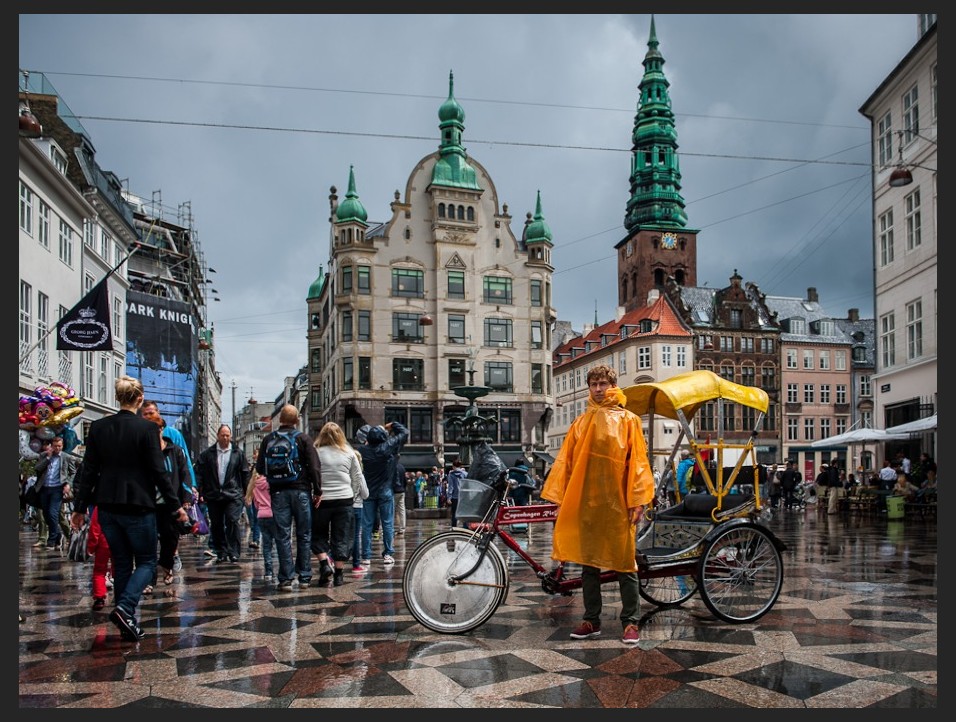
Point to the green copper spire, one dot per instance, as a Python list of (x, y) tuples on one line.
[(655, 170), (538, 231), (452, 169), (351, 209), (315, 290)]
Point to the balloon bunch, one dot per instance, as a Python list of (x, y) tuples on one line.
[(46, 414)]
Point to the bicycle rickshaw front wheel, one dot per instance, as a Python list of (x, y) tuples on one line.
[(442, 605), (741, 573)]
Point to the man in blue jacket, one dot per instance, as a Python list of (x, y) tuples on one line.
[(379, 461)]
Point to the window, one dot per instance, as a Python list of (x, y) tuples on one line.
[(705, 341), (346, 326), (26, 208), (884, 139), (912, 220), (315, 363), (408, 282), (405, 328), (746, 344), (707, 417), (621, 364), (364, 325), (66, 243), (826, 327), (26, 322), (727, 344), (824, 359), (348, 371), (497, 289), (766, 345), (839, 358), (365, 372), (456, 328), (456, 284), (509, 423), (106, 246), (748, 417), (537, 335), (824, 428), (840, 424), (665, 355), (681, 356), (420, 426), (726, 371), (792, 429), (364, 280), (866, 388), (748, 376), (408, 374), (118, 314), (43, 325), (932, 90), (825, 395), (456, 373), (888, 340), (102, 378), (346, 279), (536, 298), (537, 378), (498, 332), (736, 318), (798, 326), (43, 225), (58, 159), (768, 378), (914, 330), (792, 391), (841, 393), (808, 428), (441, 210), (315, 397), (910, 115), (498, 376), (87, 374), (644, 357), (808, 393), (730, 416), (807, 358)]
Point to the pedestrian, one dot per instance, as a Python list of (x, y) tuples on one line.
[(602, 480), (222, 472), (398, 491), (333, 517), (887, 475), (167, 528), (55, 470), (455, 476), (684, 470), (379, 455), (420, 486), (788, 483), (293, 493), (97, 545), (257, 495), (123, 471)]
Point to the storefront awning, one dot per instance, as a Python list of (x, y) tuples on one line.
[(414, 462), (544, 456)]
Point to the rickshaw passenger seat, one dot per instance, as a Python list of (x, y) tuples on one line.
[(700, 506)]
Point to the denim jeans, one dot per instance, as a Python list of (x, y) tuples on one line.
[(357, 526), (288, 506), (51, 499), (253, 518), (132, 540), (267, 535), (383, 505)]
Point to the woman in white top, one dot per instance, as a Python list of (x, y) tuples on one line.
[(342, 481)]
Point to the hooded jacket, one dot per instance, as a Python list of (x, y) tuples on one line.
[(379, 458)]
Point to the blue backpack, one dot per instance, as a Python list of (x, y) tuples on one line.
[(282, 459)]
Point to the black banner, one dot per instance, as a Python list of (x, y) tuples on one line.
[(86, 326)]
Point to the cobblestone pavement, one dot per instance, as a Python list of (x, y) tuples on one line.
[(855, 626)]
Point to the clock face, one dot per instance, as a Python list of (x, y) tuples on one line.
[(669, 241)]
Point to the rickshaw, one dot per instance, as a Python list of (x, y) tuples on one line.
[(714, 543)]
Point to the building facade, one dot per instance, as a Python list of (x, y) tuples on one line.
[(442, 295), (903, 116)]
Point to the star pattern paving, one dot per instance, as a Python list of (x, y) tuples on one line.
[(855, 626)]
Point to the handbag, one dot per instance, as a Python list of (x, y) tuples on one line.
[(79, 540), (32, 494)]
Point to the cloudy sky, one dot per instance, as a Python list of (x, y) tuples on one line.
[(249, 119)]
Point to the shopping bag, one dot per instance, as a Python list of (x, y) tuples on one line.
[(78, 550), (199, 519)]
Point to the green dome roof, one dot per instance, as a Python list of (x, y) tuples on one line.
[(315, 290), (450, 110), (351, 209), (537, 231)]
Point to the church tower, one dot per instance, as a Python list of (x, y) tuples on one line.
[(658, 243)]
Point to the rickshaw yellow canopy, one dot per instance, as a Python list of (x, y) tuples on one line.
[(688, 392)]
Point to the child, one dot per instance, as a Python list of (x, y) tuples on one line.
[(257, 493)]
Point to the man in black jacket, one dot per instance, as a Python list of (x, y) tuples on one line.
[(221, 473), (788, 482), (293, 501), (379, 459)]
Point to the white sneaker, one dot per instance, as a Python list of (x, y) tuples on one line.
[(366, 563), (387, 559), (177, 564)]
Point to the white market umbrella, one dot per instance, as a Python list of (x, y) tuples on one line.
[(915, 427), (857, 436)]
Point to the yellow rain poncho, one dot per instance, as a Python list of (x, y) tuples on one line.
[(596, 483)]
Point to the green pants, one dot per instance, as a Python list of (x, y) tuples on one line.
[(591, 590)]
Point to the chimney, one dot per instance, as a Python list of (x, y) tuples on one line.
[(652, 296), (812, 296), (853, 315), (620, 313)]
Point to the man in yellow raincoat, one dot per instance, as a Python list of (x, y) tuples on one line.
[(602, 480)]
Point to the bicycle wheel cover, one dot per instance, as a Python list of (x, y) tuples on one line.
[(453, 608)]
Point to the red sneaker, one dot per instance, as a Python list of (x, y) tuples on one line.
[(586, 630), (632, 635)]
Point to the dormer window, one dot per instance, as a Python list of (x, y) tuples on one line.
[(58, 157), (798, 326)]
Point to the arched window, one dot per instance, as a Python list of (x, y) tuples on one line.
[(441, 210), (471, 214), (461, 213)]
